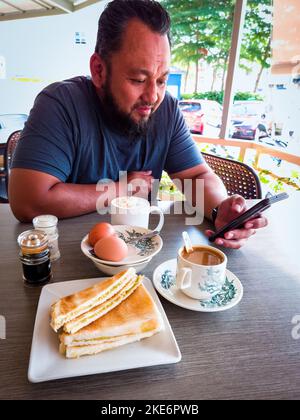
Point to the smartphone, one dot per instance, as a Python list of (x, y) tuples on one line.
[(252, 213)]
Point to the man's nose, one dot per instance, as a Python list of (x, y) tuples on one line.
[(150, 95)]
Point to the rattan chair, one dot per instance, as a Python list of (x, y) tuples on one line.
[(9, 151), (237, 177)]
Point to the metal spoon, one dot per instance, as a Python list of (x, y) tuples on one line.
[(187, 242)]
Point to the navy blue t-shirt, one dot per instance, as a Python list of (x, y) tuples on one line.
[(65, 136)]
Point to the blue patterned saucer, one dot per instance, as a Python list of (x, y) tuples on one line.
[(165, 283), (138, 250)]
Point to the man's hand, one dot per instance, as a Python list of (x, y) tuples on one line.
[(228, 210), (139, 182)]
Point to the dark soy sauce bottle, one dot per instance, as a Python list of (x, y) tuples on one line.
[(35, 257)]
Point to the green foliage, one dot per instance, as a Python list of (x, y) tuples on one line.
[(256, 43), (218, 96), (280, 184), (168, 187), (201, 29)]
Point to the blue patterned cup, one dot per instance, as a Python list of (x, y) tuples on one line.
[(201, 273)]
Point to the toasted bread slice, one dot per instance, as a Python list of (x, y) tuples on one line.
[(98, 311), (72, 306), (134, 319)]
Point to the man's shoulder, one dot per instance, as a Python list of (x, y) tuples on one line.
[(167, 113), (69, 88), (169, 104)]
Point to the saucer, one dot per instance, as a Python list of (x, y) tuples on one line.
[(164, 279), (138, 251)]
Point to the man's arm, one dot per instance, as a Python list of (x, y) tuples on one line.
[(229, 207), (214, 189), (33, 192)]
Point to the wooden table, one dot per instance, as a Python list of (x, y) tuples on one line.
[(247, 352)]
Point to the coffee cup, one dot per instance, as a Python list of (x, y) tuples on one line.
[(201, 273), (134, 211)]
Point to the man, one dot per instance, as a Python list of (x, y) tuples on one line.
[(81, 131)]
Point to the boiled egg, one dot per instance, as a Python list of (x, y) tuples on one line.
[(100, 231), (111, 248)]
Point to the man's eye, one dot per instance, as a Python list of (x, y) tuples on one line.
[(138, 81), (162, 82)]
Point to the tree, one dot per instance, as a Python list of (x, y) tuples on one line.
[(199, 25), (201, 29), (188, 32), (256, 44)]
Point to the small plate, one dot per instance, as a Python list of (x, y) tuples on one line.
[(138, 251), (46, 363), (165, 283)]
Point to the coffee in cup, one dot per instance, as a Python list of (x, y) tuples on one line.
[(202, 256), (201, 272)]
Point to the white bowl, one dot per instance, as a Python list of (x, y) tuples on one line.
[(136, 254), (115, 269)]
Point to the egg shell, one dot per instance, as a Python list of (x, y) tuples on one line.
[(111, 248), (100, 231)]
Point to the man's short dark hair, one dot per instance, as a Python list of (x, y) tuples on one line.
[(115, 17)]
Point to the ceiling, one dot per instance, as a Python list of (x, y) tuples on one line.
[(20, 9)]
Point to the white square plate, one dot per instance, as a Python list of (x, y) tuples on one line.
[(46, 363)]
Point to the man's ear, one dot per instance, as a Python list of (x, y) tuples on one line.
[(98, 70)]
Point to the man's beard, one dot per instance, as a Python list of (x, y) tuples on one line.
[(120, 120)]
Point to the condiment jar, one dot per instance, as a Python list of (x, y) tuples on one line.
[(48, 224), (35, 257)]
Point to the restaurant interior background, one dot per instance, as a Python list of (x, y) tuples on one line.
[(256, 60)]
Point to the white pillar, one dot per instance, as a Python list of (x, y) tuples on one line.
[(234, 56)]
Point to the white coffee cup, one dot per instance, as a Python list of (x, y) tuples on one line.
[(134, 211), (201, 276)]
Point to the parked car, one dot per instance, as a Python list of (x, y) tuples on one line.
[(201, 115), (250, 120), (10, 123)]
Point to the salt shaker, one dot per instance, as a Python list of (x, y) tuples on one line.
[(48, 224)]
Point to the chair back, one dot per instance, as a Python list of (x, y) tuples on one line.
[(9, 152), (237, 177)]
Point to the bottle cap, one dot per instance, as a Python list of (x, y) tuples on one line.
[(44, 221), (33, 241)]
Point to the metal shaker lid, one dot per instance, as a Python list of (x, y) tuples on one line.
[(44, 221), (33, 240)]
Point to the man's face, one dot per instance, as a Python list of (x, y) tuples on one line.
[(136, 76)]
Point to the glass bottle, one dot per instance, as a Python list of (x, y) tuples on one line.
[(48, 224), (35, 257)]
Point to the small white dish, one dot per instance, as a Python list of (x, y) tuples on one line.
[(138, 251), (46, 363), (111, 270), (164, 281)]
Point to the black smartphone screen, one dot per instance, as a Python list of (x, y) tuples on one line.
[(251, 213)]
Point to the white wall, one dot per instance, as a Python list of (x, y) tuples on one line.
[(39, 51)]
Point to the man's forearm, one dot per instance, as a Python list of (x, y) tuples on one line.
[(214, 192), (33, 192), (63, 200), (214, 189), (69, 200)]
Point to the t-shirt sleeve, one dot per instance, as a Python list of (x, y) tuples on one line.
[(47, 140), (183, 152)]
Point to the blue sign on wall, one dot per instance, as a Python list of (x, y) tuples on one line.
[(174, 84)]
